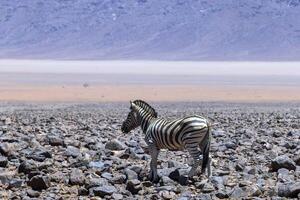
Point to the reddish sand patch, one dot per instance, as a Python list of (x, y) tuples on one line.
[(106, 93)]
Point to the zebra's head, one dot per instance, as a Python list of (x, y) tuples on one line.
[(132, 121)]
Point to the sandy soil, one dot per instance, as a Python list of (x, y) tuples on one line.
[(106, 93)]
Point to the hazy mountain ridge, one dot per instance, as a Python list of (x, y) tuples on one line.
[(144, 29)]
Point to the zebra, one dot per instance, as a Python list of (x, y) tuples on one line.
[(191, 133)]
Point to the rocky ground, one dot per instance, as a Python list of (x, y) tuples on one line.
[(78, 152)]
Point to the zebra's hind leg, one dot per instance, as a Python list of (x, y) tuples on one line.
[(153, 164), (194, 151)]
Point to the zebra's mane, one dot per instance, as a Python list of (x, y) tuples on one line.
[(146, 107)]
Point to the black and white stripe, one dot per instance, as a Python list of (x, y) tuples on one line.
[(191, 133)]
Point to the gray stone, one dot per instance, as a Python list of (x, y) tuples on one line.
[(254, 191), (15, 183), (217, 181), (118, 179), (98, 165), (32, 193), (102, 191), (5, 149), (289, 190), (207, 188), (166, 181), (117, 196), (115, 145), (283, 162), (91, 182), (72, 151), (55, 140), (130, 175), (76, 177), (167, 194), (134, 186), (107, 175), (283, 175), (237, 193)]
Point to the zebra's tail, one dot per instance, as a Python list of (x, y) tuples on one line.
[(205, 152)]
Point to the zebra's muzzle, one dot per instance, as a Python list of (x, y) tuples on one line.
[(124, 129)]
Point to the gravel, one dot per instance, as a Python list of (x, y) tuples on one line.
[(77, 151)]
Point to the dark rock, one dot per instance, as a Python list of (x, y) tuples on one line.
[(297, 159), (55, 140), (222, 194), (27, 166), (3, 161), (239, 167), (115, 145), (32, 193), (39, 155), (250, 170), (134, 186), (33, 173), (147, 183), (83, 192), (289, 190), (277, 134), (230, 145), (172, 163), (119, 179), (39, 182), (174, 175), (102, 191), (91, 182), (77, 177), (283, 162), (222, 172), (72, 151)]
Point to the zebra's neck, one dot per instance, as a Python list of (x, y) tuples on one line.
[(145, 119)]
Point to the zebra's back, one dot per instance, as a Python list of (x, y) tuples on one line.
[(173, 135)]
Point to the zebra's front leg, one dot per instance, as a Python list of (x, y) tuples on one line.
[(153, 164), (195, 153)]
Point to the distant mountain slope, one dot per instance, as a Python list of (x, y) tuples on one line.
[(150, 29)]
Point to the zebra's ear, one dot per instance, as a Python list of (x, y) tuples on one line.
[(131, 105)]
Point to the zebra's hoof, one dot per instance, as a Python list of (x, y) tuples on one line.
[(152, 178)]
